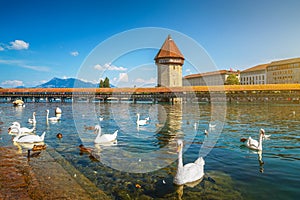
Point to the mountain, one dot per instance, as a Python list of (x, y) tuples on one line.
[(67, 83)]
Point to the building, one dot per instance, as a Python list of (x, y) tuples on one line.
[(254, 75), (208, 78), (169, 61), (283, 71)]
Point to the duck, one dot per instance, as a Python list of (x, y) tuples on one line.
[(189, 172), (84, 149), (20, 138), (89, 127), (32, 120), (59, 135), (254, 144), (104, 138), (206, 132), (57, 111), (38, 147), (51, 119), (141, 122), (32, 155)]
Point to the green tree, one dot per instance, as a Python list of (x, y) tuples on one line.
[(101, 84), (106, 83), (232, 79)]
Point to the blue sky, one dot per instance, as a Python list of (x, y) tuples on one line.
[(40, 40)]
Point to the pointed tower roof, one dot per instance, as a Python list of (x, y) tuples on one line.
[(169, 50)]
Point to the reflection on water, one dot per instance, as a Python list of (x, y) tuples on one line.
[(146, 157)]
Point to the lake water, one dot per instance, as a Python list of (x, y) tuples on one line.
[(143, 162)]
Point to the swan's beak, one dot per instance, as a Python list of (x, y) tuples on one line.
[(178, 148)]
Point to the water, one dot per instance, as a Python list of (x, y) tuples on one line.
[(143, 163)]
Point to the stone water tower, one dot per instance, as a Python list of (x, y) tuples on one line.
[(169, 61)]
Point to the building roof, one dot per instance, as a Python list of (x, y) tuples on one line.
[(219, 72), (256, 68), (169, 50), (286, 61)]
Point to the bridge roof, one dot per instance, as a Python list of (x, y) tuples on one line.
[(218, 88)]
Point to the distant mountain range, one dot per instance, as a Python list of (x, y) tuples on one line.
[(68, 83)]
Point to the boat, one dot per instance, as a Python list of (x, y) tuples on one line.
[(18, 102)]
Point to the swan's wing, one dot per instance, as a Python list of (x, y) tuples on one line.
[(28, 138), (200, 161), (251, 143), (192, 172)]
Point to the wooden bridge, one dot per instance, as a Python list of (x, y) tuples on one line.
[(269, 92)]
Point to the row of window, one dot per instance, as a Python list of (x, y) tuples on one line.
[(282, 72), (283, 78), (252, 78), (281, 67)]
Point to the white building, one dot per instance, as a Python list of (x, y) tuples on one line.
[(208, 78), (254, 75)]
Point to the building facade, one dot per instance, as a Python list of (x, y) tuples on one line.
[(254, 75), (283, 71), (169, 61), (209, 78)]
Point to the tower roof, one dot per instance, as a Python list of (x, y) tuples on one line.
[(169, 50)]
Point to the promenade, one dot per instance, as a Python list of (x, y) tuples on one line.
[(43, 177)]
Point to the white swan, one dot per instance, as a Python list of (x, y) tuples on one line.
[(32, 120), (254, 144), (21, 129), (104, 138), (189, 172), (21, 138), (51, 119), (141, 122)]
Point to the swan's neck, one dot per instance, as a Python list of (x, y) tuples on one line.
[(99, 133), (260, 142), (180, 163), (138, 118)]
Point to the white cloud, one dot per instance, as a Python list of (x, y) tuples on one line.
[(74, 53), (188, 71), (110, 67), (36, 68), (12, 83), (123, 77), (18, 45), (1, 48), (20, 63), (150, 81)]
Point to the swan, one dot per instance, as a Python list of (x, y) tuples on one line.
[(189, 172), (212, 126), (51, 119), (254, 144), (141, 122), (20, 138), (16, 125), (32, 120), (104, 138), (101, 119)]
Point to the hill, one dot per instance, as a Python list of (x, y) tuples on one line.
[(67, 83)]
